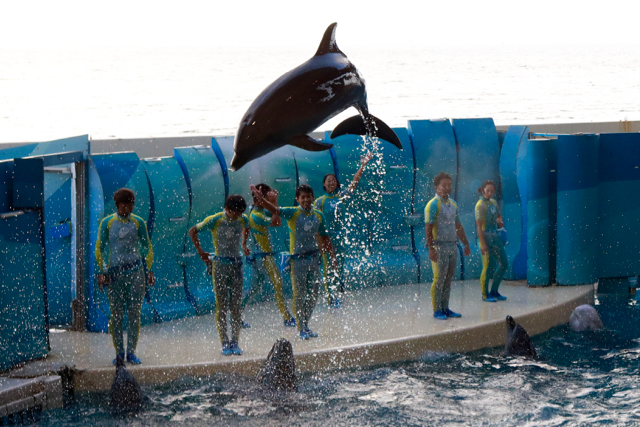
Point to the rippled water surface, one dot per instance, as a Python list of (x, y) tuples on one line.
[(579, 379)]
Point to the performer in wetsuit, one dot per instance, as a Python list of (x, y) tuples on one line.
[(443, 228), (124, 236), (332, 207), (488, 220), (307, 237), (227, 229), (263, 261)]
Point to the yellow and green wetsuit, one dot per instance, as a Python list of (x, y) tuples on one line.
[(227, 270), (305, 259), (443, 214), (263, 261), (487, 213), (126, 242)]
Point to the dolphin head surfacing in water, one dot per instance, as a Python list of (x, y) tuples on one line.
[(304, 98), (125, 395), (518, 341), (278, 372), (585, 318)]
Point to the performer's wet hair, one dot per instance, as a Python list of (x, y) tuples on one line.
[(440, 177), (235, 202), (304, 188), (124, 195)]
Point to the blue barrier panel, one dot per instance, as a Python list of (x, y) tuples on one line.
[(75, 143), (6, 185), (538, 225), (434, 147), (392, 244), (577, 233), (312, 166), (238, 180), (514, 144), (619, 206), (170, 216), (478, 160), (57, 231), (205, 181), (108, 173), (359, 210), (23, 334)]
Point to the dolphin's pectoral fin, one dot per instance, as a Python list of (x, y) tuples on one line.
[(307, 143), (356, 125)]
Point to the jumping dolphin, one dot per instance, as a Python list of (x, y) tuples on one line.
[(304, 98), (585, 318), (518, 341), (278, 372), (125, 395)]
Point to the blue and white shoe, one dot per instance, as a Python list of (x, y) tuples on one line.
[(450, 313), (335, 302), (226, 349), (235, 349), (132, 358), (121, 356), (311, 333), (291, 322), (304, 335), (245, 325), (489, 298), (497, 296), (440, 315)]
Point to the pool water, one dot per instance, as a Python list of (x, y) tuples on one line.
[(578, 379)]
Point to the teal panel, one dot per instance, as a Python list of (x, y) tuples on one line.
[(619, 208), (312, 166), (577, 220), (75, 143), (108, 173), (374, 215), (512, 211), (22, 326), (6, 186), (478, 160), (239, 181), (205, 181), (57, 218), (538, 224), (434, 147), (519, 265), (359, 211), (170, 217), (28, 183)]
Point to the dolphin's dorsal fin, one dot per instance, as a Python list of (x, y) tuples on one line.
[(328, 43)]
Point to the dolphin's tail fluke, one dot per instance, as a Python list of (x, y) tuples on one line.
[(372, 126)]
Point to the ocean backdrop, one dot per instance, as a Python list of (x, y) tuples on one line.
[(54, 93)]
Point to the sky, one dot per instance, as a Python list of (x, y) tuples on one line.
[(36, 23)]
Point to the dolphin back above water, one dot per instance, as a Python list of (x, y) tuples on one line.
[(125, 395), (518, 342), (303, 99), (278, 372)]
